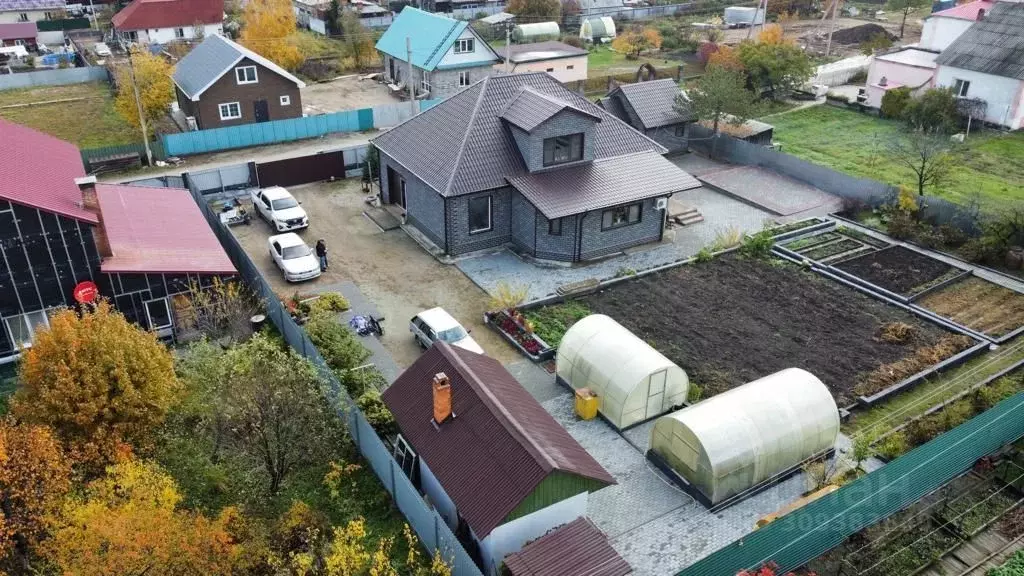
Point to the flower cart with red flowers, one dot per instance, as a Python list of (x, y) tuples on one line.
[(515, 328)]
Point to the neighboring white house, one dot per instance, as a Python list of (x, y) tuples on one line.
[(942, 28), (566, 63), (986, 63), (12, 11), (495, 465), (164, 21), (910, 67)]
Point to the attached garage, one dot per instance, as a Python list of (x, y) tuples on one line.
[(736, 440), (632, 380)]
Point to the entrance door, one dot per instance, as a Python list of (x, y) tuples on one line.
[(656, 394), (396, 188), (261, 111)]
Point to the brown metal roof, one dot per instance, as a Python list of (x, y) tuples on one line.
[(653, 102), (602, 183), (530, 109), (500, 444), (575, 549), (462, 145)]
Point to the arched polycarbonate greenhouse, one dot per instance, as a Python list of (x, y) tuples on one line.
[(732, 442), (597, 28), (536, 32), (632, 380)]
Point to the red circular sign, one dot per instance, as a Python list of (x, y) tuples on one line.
[(86, 292)]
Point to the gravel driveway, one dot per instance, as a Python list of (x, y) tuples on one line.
[(389, 268)]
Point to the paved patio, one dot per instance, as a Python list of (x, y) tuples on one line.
[(780, 195), (654, 525)]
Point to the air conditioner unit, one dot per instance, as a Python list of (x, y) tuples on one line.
[(191, 121), (661, 204)]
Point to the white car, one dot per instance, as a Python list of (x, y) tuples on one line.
[(279, 208), (436, 324), (296, 260), (101, 49)]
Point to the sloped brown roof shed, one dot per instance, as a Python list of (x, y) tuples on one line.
[(575, 549), (500, 444)]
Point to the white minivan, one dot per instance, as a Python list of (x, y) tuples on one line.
[(435, 324)]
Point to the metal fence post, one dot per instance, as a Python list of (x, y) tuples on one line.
[(391, 467)]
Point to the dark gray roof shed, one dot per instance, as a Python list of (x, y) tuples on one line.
[(653, 102), (992, 45)]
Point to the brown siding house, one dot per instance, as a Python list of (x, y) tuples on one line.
[(221, 83)]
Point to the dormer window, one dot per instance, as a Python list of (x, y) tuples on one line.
[(464, 46), (246, 74), (563, 149)]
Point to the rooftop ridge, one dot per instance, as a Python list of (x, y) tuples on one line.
[(465, 136)]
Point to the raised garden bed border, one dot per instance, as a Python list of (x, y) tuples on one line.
[(546, 351), (963, 275)]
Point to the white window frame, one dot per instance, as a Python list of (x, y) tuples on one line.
[(23, 17), (490, 215), (220, 108), (19, 42), (961, 87), (464, 78), (179, 33), (465, 45), (425, 82), (26, 325), (149, 319), (285, 100), (244, 78)]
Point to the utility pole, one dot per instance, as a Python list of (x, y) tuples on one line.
[(508, 42), (412, 84), (138, 105), (831, 27)]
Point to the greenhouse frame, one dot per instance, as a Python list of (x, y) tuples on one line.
[(742, 439), (536, 32), (633, 381)]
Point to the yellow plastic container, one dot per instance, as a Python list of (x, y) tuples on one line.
[(586, 404)]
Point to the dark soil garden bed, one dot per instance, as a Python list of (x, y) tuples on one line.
[(733, 320), (897, 269)]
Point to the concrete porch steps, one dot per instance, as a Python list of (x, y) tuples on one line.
[(687, 217)]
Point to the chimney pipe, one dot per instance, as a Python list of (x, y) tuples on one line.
[(981, 14), (87, 186), (442, 398)]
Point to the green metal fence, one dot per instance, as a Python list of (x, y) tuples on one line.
[(801, 536), (63, 24), (156, 146)]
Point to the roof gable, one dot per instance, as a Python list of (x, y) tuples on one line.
[(500, 445), (430, 36), (529, 109), (217, 55), (469, 146), (653, 102), (18, 31), (39, 170), (144, 14), (993, 45)]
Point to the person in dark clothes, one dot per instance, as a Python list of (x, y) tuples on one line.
[(321, 253)]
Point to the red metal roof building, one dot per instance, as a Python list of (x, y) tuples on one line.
[(158, 21), (500, 458), (11, 33), (968, 11), (576, 549)]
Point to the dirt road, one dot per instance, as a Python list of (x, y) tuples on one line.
[(390, 269)]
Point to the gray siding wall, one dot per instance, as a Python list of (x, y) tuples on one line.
[(443, 83), (523, 224), (561, 124), (557, 247), (597, 242), (461, 241), (666, 136), (424, 206)]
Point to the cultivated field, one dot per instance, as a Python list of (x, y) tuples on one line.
[(992, 164), (85, 117), (898, 269), (978, 304), (734, 320)]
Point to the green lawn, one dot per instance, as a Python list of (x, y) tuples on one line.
[(603, 61), (89, 123), (854, 143)]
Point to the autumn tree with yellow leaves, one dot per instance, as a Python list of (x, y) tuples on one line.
[(634, 41), (102, 383), (128, 522), (268, 29), (156, 89), (34, 477)]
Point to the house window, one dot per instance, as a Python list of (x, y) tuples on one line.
[(463, 78), (286, 100), (159, 314), (19, 42), (961, 87), (555, 227), (22, 328), (246, 74), (550, 70), (48, 15), (179, 32), (425, 83), (133, 36), (464, 46), (479, 214), (680, 130), (230, 111), (562, 149), (23, 17), (620, 216), (569, 67)]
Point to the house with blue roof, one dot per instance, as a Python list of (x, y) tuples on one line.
[(446, 54)]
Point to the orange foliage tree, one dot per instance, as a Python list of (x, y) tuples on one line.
[(726, 57), (128, 523), (268, 29), (773, 34), (34, 476), (634, 41), (102, 383)]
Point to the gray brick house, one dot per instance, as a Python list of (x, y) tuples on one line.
[(521, 161), (650, 108)]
